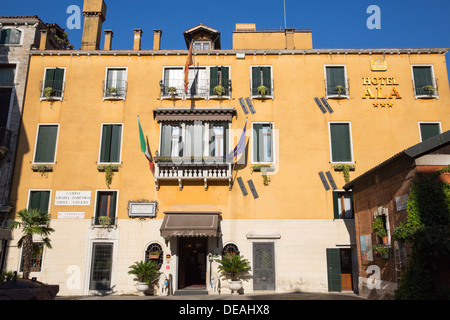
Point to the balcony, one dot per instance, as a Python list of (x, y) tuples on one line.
[(5, 141), (338, 91), (52, 90), (205, 89), (425, 88), (192, 169), (114, 90)]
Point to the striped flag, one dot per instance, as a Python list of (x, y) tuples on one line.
[(189, 62), (145, 148)]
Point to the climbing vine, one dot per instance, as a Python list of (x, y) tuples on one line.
[(428, 231)]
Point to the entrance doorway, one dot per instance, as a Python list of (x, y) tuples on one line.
[(339, 265), (192, 263)]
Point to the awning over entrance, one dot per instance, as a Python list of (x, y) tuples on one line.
[(190, 224)]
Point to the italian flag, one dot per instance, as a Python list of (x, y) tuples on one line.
[(144, 147)]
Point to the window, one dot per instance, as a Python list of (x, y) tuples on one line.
[(262, 76), (101, 266), (10, 36), (7, 74), (53, 86), (343, 205), (155, 253), (5, 106), (173, 83), (263, 143), (219, 76), (340, 142), (106, 207), (36, 259), (46, 143), (116, 83), (110, 145), (425, 85), (202, 45), (39, 199), (230, 248), (335, 81), (189, 139), (429, 129)]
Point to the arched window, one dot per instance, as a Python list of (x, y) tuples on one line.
[(230, 248), (10, 36), (155, 253)]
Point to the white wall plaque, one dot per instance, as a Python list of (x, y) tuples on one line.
[(70, 215), (142, 209), (72, 198)]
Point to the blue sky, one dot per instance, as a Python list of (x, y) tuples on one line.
[(335, 24)]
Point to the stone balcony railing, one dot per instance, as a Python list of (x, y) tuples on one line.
[(180, 169)]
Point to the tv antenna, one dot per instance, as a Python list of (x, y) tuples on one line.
[(284, 2)]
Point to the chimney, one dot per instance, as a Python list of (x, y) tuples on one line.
[(289, 38), (44, 39), (157, 39), (94, 12), (108, 40), (137, 39)]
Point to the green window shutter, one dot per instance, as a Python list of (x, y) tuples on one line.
[(106, 144), (340, 142), (256, 80), (257, 140), (110, 148), (39, 200), (49, 77), (336, 204), (116, 135), (4, 36), (267, 79), (225, 77), (335, 77), (334, 270), (112, 206), (46, 144), (429, 130), (213, 79), (422, 78), (58, 82)]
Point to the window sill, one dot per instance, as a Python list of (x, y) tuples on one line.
[(340, 167), (259, 97), (338, 97), (51, 98), (427, 97), (114, 98)]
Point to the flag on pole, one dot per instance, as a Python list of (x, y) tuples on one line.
[(145, 148), (189, 62), (240, 147)]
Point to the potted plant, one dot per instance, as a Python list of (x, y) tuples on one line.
[(111, 91), (146, 273), (104, 221), (379, 229), (262, 90), (48, 92), (172, 91), (428, 89), (154, 255), (339, 89), (381, 251), (219, 90), (234, 266)]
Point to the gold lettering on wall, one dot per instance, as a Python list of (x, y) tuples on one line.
[(378, 84)]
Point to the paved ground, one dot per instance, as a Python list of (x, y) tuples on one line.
[(244, 297)]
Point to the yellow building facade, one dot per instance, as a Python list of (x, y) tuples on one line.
[(279, 203)]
